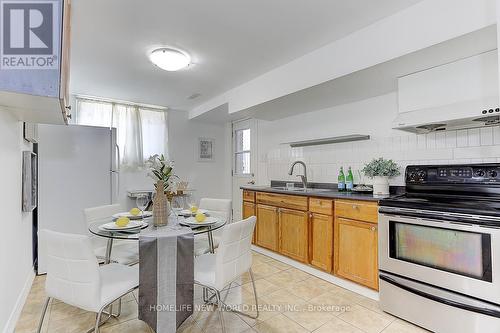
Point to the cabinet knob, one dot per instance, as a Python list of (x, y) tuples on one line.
[(68, 115), (68, 107), (374, 228), (355, 207)]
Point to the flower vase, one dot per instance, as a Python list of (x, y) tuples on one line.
[(161, 207), (380, 185)]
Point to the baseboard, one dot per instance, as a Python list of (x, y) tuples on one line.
[(18, 308), (320, 274)]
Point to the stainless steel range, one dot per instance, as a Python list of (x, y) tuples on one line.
[(439, 249)]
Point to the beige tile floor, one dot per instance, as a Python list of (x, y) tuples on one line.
[(291, 301)]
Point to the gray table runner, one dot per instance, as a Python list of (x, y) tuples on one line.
[(166, 274)]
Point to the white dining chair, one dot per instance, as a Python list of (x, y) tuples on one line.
[(75, 277), (232, 259), (221, 208), (123, 251)]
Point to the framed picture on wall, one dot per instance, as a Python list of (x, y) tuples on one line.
[(206, 149)]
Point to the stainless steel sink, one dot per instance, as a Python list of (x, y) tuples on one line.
[(301, 189)]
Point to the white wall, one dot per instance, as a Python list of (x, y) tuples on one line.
[(209, 179), (374, 117), (16, 270)]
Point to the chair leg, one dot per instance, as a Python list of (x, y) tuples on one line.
[(254, 293), (45, 305), (220, 306), (119, 311), (98, 322)]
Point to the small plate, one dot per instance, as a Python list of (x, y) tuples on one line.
[(191, 222), (133, 217), (132, 225), (188, 212)]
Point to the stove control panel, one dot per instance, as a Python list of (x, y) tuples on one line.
[(468, 174)]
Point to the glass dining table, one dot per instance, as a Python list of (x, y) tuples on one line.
[(174, 222)]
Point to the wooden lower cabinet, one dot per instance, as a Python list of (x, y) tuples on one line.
[(247, 211), (355, 251), (293, 241), (267, 231), (321, 241), (336, 236)]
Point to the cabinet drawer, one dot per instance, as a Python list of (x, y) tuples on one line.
[(248, 196), (357, 210), (282, 200), (321, 206)]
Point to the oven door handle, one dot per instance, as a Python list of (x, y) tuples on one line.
[(485, 311)]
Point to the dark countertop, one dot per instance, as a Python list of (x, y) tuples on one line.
[(331, 193)]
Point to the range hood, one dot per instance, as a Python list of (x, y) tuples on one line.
[(463, 115), (462, 94)]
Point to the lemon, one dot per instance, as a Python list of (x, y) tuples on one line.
[(200, 217), (194, 209), (122, 221), (135, 211)]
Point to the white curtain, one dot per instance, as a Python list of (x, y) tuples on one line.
[(154, 132), (93, 113), (127, 121), (141, 132)]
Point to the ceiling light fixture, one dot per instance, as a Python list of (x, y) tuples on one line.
[(170, 59)]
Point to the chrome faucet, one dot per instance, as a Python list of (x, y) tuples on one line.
[(302, 177)]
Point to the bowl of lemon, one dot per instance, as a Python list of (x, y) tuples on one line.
[(200, 219), (133, 214)]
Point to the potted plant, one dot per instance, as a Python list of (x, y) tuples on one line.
[(380, 170)]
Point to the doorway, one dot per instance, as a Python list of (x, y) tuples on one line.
[(244, 152)]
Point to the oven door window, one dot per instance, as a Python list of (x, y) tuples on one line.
[(456, 251)]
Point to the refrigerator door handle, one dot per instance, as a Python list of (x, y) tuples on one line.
[(117, 157)]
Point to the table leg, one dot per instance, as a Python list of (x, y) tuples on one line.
[(211, 247), (109, 247)]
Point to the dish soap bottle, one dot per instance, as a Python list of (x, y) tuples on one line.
[(349, 181), (341, 180)]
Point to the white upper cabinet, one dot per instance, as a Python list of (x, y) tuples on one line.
[(34, 60), (473, 79)]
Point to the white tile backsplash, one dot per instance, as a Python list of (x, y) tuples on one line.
[(462, 138), (486, 135), (473, 137), (451, 147)]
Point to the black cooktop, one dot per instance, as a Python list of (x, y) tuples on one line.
[(472, 189)]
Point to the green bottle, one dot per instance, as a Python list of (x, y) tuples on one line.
[(341, 180), (349, 181)]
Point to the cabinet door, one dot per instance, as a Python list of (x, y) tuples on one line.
[(355, 251), (321, 241), (249, 210), (294, 234), (267, 227)]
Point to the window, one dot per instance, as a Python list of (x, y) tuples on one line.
[(242, 152), (141, 131)]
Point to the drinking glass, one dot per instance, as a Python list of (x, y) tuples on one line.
[(142, 201), (193, 205)]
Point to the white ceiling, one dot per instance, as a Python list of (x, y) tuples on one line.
[(230, 42)]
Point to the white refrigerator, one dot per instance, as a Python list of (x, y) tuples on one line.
[(78, 168)]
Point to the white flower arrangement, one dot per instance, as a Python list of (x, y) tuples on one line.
[(162, 169)]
